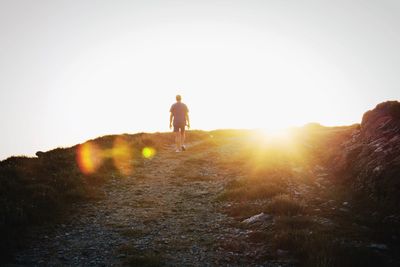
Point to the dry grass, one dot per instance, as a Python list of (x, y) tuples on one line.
[(258, 192), (284, 205)]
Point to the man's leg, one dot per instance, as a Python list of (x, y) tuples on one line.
[(183, 138), (178, 140)]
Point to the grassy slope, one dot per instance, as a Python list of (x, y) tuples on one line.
[(38, 190), (287, 179)]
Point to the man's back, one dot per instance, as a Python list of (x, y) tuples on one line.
[(179, 111)]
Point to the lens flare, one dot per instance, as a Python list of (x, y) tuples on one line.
[(148, 152), (89, 158), (122, 156)]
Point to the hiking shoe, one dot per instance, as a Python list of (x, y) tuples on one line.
[(183, 148)]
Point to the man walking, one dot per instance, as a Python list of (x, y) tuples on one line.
[(180, 118)]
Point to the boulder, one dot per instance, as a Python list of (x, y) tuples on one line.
[(371, 158)]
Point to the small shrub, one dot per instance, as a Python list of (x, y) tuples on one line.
[(289, 239), (284, 205), (249, 191), (259, 237)]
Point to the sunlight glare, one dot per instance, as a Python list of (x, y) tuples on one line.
[(148, 152), (89, 157), (122, 156), (274, 136)]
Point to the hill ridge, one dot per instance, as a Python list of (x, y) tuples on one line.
[(313, 196)]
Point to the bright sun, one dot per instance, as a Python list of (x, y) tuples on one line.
[(281, 136)]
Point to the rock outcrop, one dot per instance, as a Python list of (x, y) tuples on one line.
[(371, 158)]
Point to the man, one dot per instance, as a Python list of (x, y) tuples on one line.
[(180, 118)]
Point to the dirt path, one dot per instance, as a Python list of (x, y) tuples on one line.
[(164, 213)]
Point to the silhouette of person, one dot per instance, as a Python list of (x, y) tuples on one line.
[(179, 118)]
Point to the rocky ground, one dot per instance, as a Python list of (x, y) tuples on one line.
[(229, 200), (166, 213)]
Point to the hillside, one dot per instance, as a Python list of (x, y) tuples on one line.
[(317, 196)]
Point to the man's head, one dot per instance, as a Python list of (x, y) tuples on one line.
[(178, 98)]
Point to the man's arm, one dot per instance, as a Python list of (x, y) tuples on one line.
[(170, 120), (187, 120)]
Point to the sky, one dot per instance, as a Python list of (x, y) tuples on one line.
[(72, 70)]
